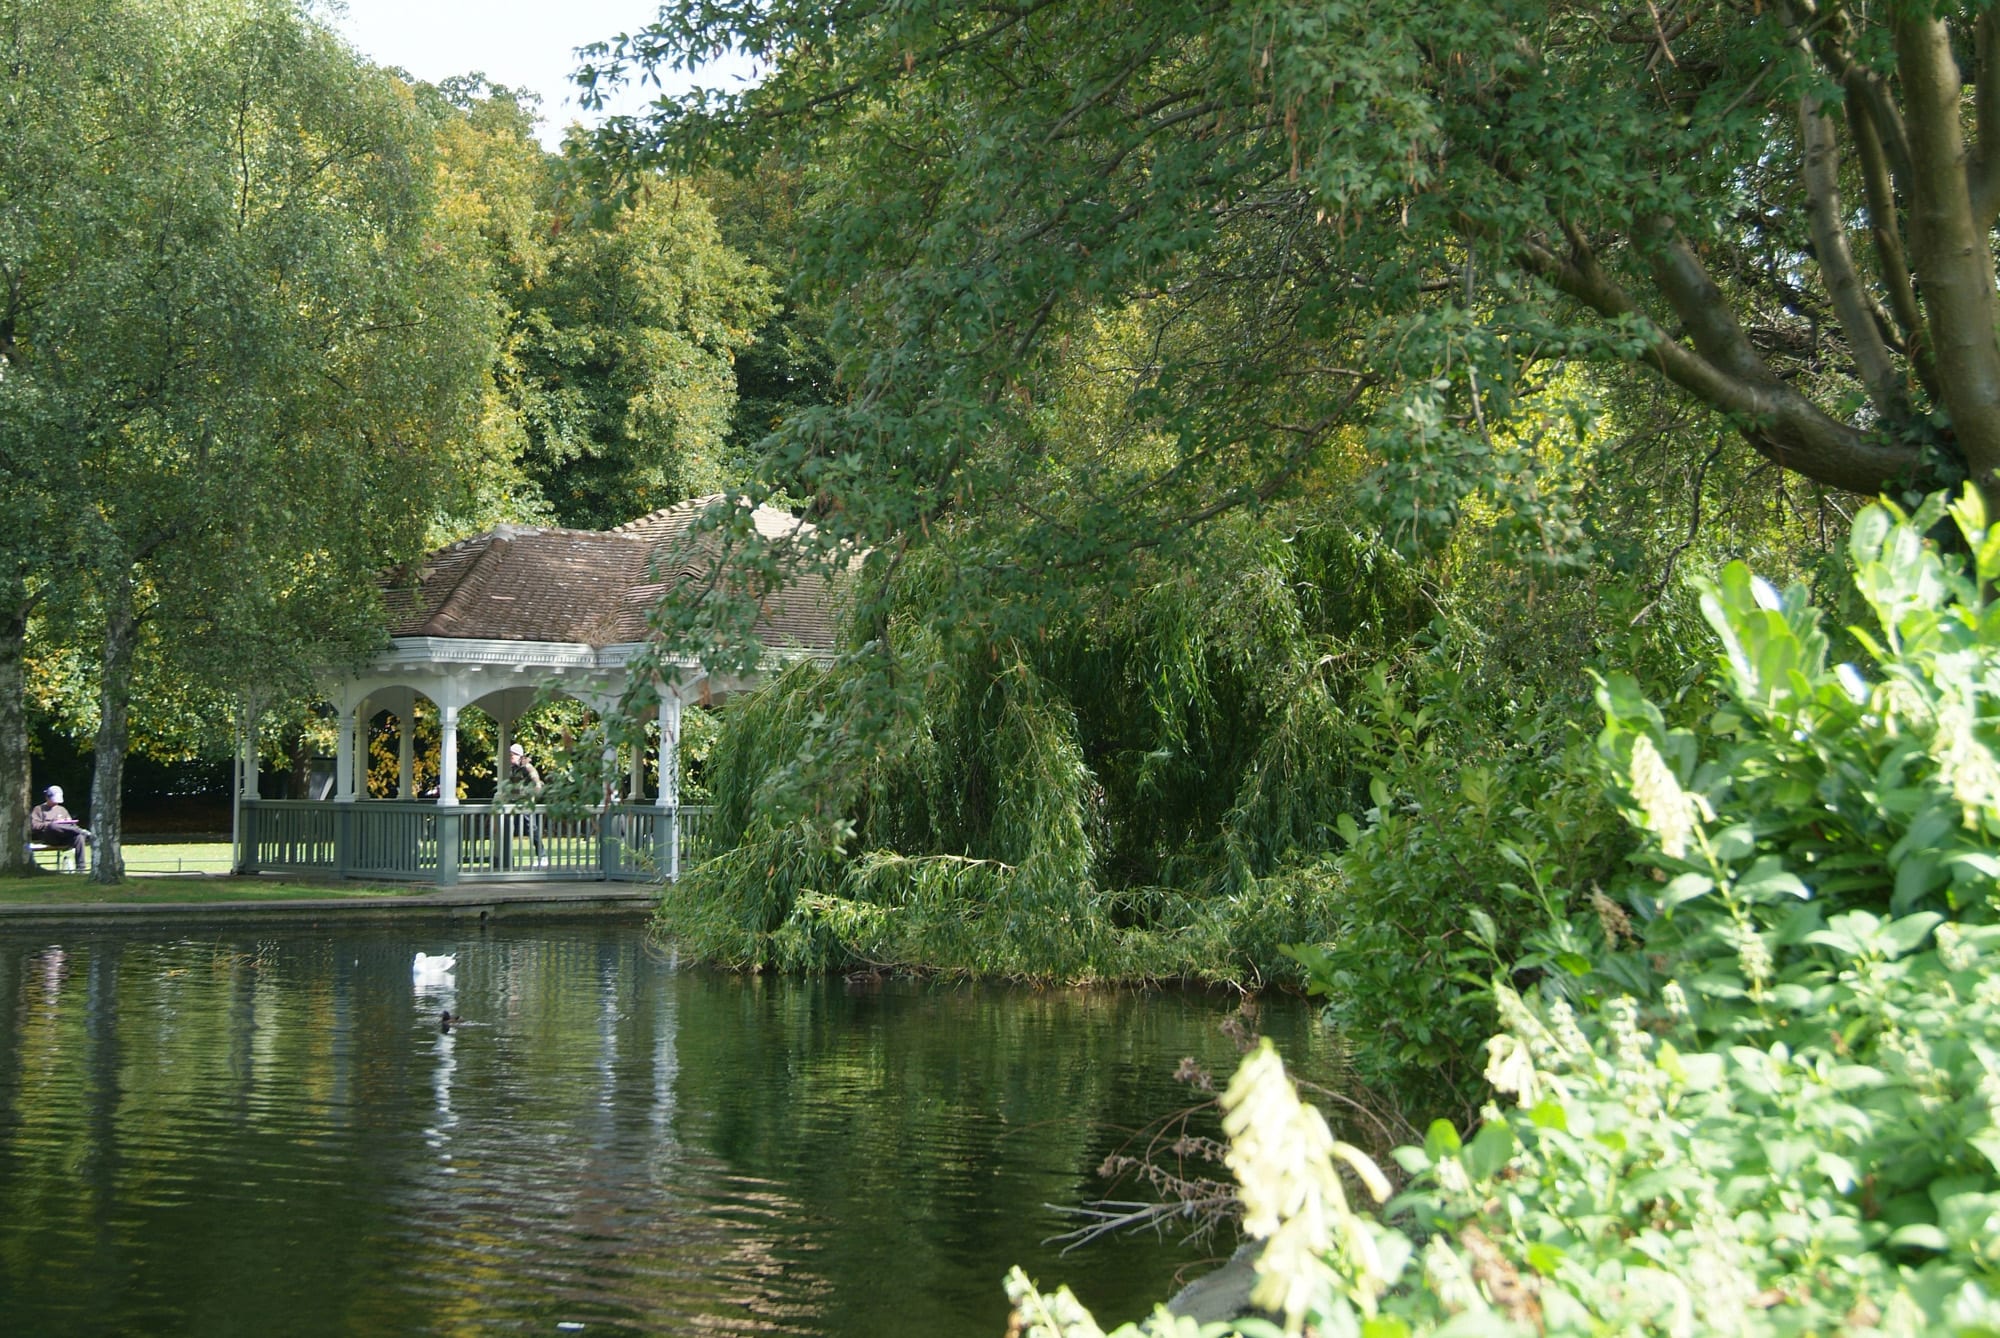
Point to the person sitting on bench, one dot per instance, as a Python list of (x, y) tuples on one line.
[(50, 824)]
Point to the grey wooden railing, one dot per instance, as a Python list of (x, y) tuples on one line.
[(420, 841)]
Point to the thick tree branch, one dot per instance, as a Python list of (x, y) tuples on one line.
[(1951, 251), (1830, 33), (1885, 228), (1821, 169), (1709, 317), (1869, 97), (1726, 373)]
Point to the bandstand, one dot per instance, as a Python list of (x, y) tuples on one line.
[(500, 622)]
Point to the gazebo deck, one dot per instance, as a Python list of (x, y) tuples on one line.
[(398, 840)]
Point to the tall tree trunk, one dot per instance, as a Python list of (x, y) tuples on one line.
[(14, 799), (1954, 253), (107, 784)]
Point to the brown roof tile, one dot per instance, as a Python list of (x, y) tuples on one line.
[(589, 587)]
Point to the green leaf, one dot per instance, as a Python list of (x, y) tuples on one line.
[(1904, 935), (1768, 878), (1544, 1258), (1490, 1150), (1919, 1236), (1548, 1113), (1685, 888), (1441, 1140)]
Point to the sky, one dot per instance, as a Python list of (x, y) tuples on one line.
[(521, 43)]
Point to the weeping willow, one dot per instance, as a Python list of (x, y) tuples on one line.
[(1145, 788)]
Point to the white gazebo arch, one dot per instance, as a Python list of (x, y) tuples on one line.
[(501, 621)]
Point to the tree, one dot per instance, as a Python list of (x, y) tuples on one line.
[(240, 367), (1392, 221), (787, 367), (623, 358), (38, 146), (616, 381)]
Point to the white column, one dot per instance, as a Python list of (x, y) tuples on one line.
[(636, 790), (236, 807), (670, 782), (343, 754), (503, 736), (448, 756), (670, 751), (359, 749), (246, 783), (406, 750), (246, 755)]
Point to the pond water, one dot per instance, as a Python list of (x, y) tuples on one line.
[(221, 1135)]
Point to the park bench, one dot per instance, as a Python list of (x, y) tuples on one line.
[(64, 856)]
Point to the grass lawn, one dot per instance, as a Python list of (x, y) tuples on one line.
[(176, 857), (203, 875)]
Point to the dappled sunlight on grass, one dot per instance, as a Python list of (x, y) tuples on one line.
[(158, 885), (148, 857)]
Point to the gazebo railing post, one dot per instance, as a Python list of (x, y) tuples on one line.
[(448, 834), (244, 835), (246, 858)]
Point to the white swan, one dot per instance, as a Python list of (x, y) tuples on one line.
[(429, 972)]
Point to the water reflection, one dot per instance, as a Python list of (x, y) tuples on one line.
[(204, 1135)]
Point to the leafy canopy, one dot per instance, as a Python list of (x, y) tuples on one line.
[(1360, 222), (239, 369)]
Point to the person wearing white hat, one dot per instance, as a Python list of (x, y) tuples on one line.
[(50, 824)]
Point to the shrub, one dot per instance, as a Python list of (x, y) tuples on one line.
[(1767, 1099), (1487, 824)]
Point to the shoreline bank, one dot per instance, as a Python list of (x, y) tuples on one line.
[(459, 905)]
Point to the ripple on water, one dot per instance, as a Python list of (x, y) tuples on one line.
[(197, 1135)]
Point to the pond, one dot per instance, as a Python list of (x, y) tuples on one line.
[(215, 1134)]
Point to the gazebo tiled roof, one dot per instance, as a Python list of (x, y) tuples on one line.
[(590, 587)]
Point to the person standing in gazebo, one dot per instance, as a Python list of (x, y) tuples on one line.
[(524, 779)]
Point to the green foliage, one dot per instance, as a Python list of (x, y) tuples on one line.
[(1299, 737), (787, 890), (787, 367), (239, 370), (1143, 791), (1481, 828), (279, 320), (1869, 789), (614, 385), (620, 364), (1769, 1104), (1486, 827), (1416, 241), (1827, 1160)]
